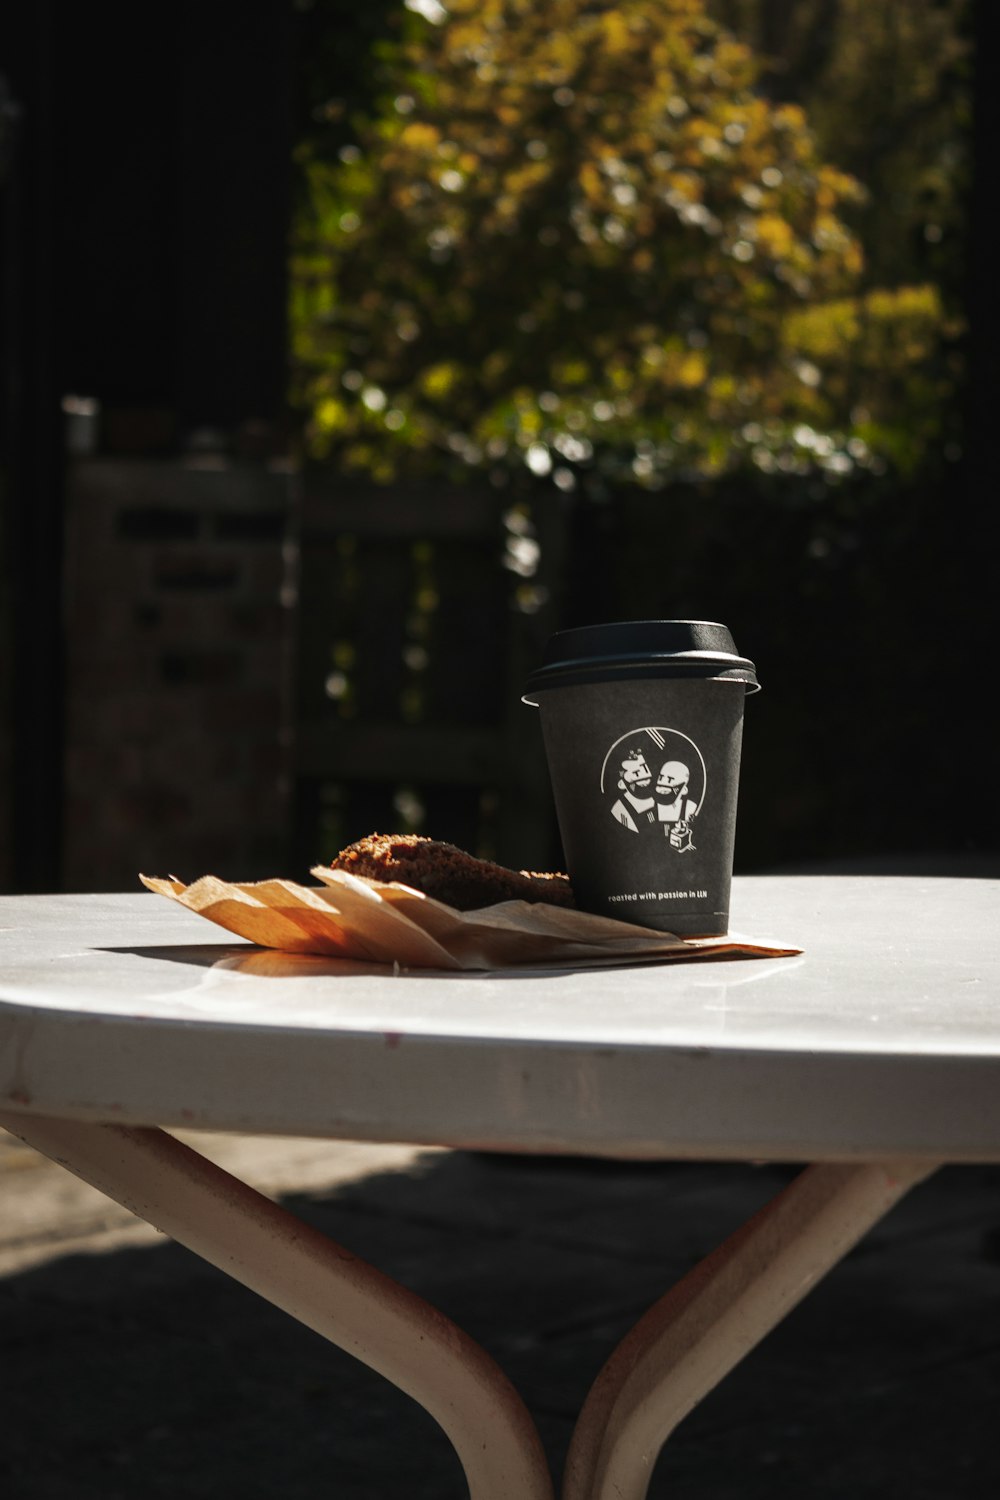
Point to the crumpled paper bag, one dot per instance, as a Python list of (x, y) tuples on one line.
[(350, 917)]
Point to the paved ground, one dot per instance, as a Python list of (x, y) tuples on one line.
[(131, 1371)]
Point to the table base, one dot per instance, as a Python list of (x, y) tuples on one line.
[(671, 1359)]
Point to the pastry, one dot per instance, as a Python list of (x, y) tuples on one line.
[(447, 873)]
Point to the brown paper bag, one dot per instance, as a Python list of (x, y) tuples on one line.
[(349, 917)]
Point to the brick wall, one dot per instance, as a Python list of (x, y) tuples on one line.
[(177, 621)]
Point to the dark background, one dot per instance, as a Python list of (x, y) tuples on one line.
[(209, 651)]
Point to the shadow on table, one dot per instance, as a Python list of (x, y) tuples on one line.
[(275, 963), (146, 1373)]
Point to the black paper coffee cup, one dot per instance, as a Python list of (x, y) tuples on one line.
[(643, 728)]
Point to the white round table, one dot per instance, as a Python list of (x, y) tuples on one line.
[(875, 1055)]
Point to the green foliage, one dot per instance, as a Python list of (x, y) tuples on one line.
[(887, 92), (578, 242)]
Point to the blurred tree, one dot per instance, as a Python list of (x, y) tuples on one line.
[(576, 240), (887, 91), (338, 45)]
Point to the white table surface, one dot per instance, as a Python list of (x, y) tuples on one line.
[(881, 1039), (874, 1055)]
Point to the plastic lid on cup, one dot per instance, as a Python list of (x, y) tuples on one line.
[(631, 649)]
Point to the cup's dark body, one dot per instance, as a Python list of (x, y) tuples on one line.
[(644, 756)]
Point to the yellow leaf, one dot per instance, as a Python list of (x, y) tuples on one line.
[(775, 235), (438, 380), (331, 415), (692, 369)]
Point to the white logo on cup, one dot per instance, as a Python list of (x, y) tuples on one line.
[(658, 779)]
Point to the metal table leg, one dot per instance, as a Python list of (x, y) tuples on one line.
[(316, 1281), (692, 1337), (672, 1358)]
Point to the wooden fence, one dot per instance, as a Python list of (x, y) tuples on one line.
[(420, 614)]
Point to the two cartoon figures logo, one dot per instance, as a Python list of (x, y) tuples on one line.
[(672, 801)]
